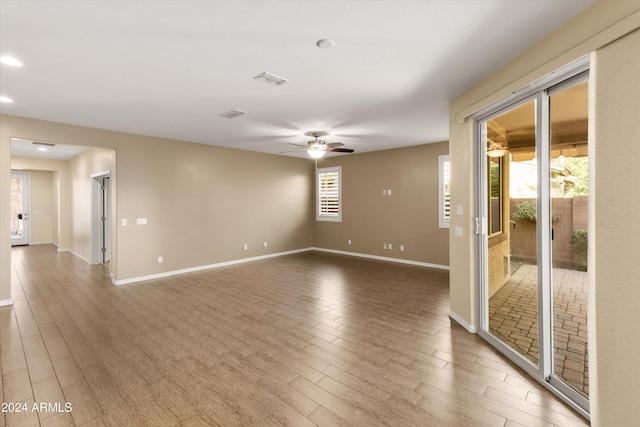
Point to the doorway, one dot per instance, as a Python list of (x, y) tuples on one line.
[(101, 218), (20, 209), (533, 180)]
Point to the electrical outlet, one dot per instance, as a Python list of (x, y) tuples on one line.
[(385, 246), (160, 259), (245, 247), (388, 192), (390, 246), (401, 248), (349, 242), (265, 244), (124, 222), (384, 192)]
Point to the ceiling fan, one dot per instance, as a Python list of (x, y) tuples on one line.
[(317, 148)]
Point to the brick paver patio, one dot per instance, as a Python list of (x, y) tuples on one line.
[(513, 318)]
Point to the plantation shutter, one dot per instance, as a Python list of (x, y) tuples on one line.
[(329, 194), (444, 192)]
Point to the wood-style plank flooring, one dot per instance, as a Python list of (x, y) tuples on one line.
[(301, 340)]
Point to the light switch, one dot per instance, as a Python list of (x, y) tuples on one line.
[(458, 209), (141, 221), (458, 231), (124, 222)]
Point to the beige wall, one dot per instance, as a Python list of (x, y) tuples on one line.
[(605, 28), (409, 216), (81, 167), (202, 203), (615, 301)]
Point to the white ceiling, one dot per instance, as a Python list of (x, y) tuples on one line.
[(170, 68)]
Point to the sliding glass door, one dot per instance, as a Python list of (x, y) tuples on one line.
[(532, 163)]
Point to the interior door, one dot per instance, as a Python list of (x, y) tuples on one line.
[(20, 222), (106, 219), (532, 163)]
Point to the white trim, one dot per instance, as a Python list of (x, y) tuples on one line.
[(261, 257), (6, 302), (384, 258), (204, 267), (41, 243), (100, 174), (97, 182), (469, 327), (77, 255)]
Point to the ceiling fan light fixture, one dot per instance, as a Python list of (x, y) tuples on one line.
[(316, 153)]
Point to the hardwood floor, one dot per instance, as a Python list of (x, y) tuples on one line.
[(300, 340)]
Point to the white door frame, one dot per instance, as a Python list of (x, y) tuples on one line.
[(26, 209), (543, 371), (97, 239)]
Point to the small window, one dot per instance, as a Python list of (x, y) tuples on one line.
[(329, 194), (495, 195), (444, 198)]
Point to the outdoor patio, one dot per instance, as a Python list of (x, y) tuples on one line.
[(513, 318)]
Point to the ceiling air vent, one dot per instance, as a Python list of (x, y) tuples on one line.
[(271, 79), (44, 144), (232, 114)]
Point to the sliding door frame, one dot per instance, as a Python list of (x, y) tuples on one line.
[(539, 92)]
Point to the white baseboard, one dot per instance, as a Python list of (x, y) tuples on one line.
[(6, 302), (383, 258), (77, 255), (41, 243), (204, 267), (469, 327)]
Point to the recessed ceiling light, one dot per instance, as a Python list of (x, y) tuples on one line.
[(325, 43), (271, 79), (10, 60), (6, 99), (232, 114)]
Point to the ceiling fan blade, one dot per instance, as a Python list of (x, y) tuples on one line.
[(340, 150), (298, 145), (335, 144)]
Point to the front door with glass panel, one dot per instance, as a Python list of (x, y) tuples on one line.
[(533, 239), (20, 224)]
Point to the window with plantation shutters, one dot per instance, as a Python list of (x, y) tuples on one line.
[(444, 181), (329, 204)]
